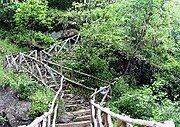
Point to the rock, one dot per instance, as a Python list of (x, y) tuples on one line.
[(66, 118), (63, 34), (56, 35), (11, 119), (14, 110)]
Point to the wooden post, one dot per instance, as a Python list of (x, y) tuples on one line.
[(129, 125), (55, 115), (99, 118), (109, 120), (44, 122), (49, 120), (37, 125), (93, 116), (121, 124)]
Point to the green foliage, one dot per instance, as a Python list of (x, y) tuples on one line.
[(141, 103), (29, 38), (137, 103), (21, 84), (141, 29), (61, 19), (60, 4), (167, 111), (8, 48), (120, 87), (32, 12), (7, 13), (41, 99), (168, 81)]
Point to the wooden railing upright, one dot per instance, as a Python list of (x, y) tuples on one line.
[(102, 116)]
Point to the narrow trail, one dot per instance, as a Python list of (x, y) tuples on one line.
[(78, 111)]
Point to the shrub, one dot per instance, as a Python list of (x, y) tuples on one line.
[(32, 13), (137, 103), (167, 111), (141, 103), (41, 101), (120, 87), (7, 13), (21, 84), (30, 38), (8, 48), (60, 4), (64, 20)]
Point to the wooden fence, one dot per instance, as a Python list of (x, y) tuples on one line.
[(37, 64), (102, 116), (50, 77)]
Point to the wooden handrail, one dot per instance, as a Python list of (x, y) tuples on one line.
[(65, 78), (130, 120), (96, 92), (81, 73), (17, 60)]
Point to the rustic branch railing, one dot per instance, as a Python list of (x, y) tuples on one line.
[(102, 116), (41, 71), (65, 69), (54, 50), (36, 63), (50, 77)]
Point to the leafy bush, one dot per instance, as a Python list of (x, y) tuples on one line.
[(30, 38), (167, 111), (137, 103), (141, 103), (7, 13), (140, 29), (120, 87), (41, 101), (60, 4), (8, 48), (20, 84), (168, 81), (32, 13), (64, 20)]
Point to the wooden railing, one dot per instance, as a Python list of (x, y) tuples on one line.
[(37, 64), (39, 70), (49, 118), (102, 116), (47, 54)]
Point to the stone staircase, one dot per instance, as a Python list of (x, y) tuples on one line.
[(77, 111)]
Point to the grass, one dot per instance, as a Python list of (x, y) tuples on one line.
[(9, 48)]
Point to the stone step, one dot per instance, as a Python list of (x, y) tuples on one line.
[(73, 101), (71, 105), (67, 91), (82, 118), (68, 95), (75, 124), (81, 112)]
